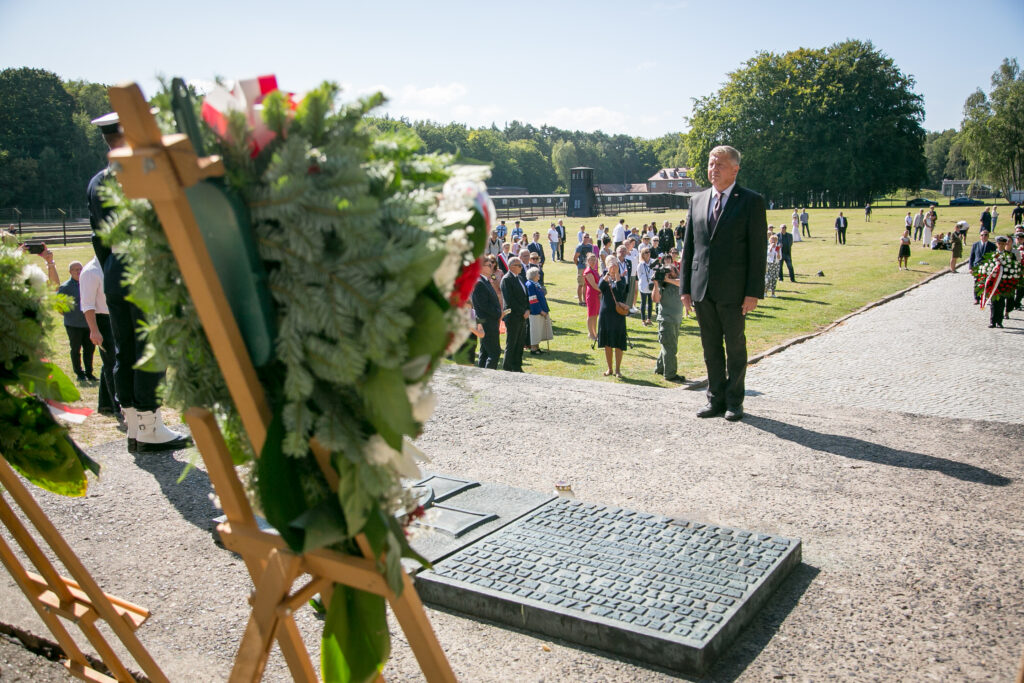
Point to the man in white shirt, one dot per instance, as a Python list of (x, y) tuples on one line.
[(580, 234), (97, 317), (619, 234), (554, 240)]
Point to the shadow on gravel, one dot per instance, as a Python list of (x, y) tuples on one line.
[(858, 449), (191, 496), (763, 626)]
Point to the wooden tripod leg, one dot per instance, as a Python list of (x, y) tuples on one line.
[(271, 588), (78, 572), (236, 507), (413, 618), (52, 622)]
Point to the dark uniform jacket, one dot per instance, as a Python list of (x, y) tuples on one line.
[(513, 291), (485, 302), (726, 264)]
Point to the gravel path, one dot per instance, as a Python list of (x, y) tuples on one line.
[(929, 352), (912, 530)]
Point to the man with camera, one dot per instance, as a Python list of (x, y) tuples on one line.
[(670, 314)]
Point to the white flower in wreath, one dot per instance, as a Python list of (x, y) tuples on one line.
[(403, 463), (34, 277), (456, 245), (422, 400)]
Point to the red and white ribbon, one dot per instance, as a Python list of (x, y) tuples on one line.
[(247, 97), (988, 291), (67, 413)]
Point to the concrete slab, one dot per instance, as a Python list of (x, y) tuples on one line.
[(666, 592)]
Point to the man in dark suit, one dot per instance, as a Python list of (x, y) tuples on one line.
[(513, 291), (978, 251), (488, 315), (537, 248), (841, 228), (722, 276)]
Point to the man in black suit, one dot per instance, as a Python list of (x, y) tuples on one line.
[(513, 291), (488, 315), (537, 248), (978, 251), (722, 276), (841, 228)]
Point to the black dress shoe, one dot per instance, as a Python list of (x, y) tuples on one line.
[(710, 411), (675, 378), (91, 377), (992, 324), (734, 414)]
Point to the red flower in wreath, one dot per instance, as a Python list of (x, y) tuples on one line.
[(464, 283)]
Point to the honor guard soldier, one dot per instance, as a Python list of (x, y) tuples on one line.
[(135, 389)]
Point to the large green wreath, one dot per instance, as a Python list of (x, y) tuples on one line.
[(370, 248), (33, 442)]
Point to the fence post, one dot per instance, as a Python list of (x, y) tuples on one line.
[(64, 224), (19, 221)]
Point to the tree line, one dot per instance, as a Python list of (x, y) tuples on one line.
[(48, 148), (833, 126)]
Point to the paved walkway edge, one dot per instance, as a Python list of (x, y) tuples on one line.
[(702, 383)]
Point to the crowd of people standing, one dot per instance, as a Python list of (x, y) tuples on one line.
[(621, 271)]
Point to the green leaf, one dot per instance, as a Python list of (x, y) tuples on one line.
[(403, 542), (356, 643), (387, 405), (428, 334), (279, 486), (393, 572), (47, 380), (419, 272), (355, 501), (324, 525)]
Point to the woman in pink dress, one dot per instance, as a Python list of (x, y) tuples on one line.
[(591, 280)]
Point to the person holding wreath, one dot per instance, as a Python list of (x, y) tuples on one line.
[(611, 321)]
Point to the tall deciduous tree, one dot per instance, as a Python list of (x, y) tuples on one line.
[(837, 125), (48, 148), (992, 134)]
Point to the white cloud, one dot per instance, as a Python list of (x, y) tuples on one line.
[(432, 96), (646, 66), (586, 118)]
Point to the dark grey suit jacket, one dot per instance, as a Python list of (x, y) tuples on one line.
[(728, 264)]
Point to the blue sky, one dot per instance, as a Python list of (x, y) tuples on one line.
[(623, 67)]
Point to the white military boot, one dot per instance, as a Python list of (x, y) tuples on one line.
[(131, 420), (153, 436)]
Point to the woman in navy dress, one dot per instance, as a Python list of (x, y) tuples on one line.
[(611, 325)]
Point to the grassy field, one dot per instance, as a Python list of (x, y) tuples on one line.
[(862, 271)]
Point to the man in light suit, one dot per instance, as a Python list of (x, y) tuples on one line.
[(841, 224), (722, 276), (513, 291)]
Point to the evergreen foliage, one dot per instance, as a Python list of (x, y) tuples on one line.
[(33, 442)]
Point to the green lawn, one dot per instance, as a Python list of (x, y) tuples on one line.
[(858, 273), (862, 271)]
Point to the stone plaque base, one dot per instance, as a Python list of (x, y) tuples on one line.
[(666, 592)]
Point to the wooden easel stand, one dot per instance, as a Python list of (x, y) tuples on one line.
[(78, 599), (159, 168)]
